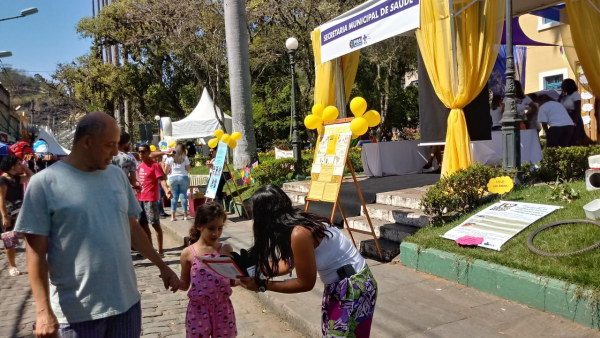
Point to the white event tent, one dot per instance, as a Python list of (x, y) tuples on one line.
[(53, 146), (202, 122)]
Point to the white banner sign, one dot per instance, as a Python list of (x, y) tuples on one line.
[(382, 20), (283, 153), (500, 222)]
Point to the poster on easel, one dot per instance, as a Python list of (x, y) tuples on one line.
[(329, 162), (216, 171)]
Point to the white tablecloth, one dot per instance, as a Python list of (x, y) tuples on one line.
[(394, 158), (490, 152)]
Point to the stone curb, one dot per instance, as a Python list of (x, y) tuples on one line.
[(276, 305), (286, 312), (547, 294)]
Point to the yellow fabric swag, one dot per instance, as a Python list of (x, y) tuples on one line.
[(325, 75), (478, 33)]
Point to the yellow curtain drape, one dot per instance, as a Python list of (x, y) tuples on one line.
[(325, 77), (583, 21), (478, 33)]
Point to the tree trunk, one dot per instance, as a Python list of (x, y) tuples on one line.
[(236, 36)]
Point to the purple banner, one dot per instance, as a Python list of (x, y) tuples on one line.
[(370, 16)]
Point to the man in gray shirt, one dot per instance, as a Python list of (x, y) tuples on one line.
[(79, 220)]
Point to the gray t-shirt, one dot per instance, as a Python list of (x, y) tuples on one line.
[(86, 217)]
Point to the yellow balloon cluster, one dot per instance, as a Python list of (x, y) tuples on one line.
[(362, 121), (320, 114), (363, 118), (220, 135)]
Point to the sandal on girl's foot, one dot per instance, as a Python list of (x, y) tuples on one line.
[(173, 219), (14, 272), (185, 218)]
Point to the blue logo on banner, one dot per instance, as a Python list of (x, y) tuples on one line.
[(358, 42)]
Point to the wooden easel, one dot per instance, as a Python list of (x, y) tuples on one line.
[(241, 202), (360, 195)]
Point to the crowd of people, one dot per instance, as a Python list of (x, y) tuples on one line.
[(81, 217), (561, 119)]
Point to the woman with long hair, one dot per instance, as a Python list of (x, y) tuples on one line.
[(571, 100), (496, 112), (286, 239), (15, 174), (179, 179)]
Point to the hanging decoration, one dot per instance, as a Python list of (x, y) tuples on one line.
[(230, 140)]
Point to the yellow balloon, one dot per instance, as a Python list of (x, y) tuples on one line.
[(153, 148), (359, 126), (172, 144), (358, 106), (373, 118), (354, 137), (232, 144), (218, 133), (236, 136), (317, 110), (213, 143), (312, 121), (225, 138), (330, 113)]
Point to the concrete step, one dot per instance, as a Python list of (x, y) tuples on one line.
[(298, 198), (368, 249), (301, 187), (395, 214), (408, 198), (384, 230)]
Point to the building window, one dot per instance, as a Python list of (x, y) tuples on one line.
[(553, 82), (545, 23), (553, 79)]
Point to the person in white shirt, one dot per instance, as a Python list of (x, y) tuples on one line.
[(556, 122), (571, 100), (496, 112), (179, 179)]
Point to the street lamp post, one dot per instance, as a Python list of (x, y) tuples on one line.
[(157, 119), (24, 13), (292, 44), (511, 121)]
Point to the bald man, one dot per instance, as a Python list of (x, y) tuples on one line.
[(79, 220)]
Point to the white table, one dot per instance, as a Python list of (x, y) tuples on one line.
[(490, 152), (394, 158)]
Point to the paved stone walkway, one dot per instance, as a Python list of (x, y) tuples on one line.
[(163, 312)]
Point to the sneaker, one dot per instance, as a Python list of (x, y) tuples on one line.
[(427, 166)]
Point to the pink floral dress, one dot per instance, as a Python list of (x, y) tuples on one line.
[(210, 312)]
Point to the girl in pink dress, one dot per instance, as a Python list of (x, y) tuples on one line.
[(210, 312)]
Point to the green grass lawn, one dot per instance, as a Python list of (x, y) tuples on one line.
[(582, 269), (202, 170)]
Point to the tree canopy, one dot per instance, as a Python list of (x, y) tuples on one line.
[(171, 50)]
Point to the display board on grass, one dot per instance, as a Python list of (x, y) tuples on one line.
[(500, 222), (329, 162), (216, 171)]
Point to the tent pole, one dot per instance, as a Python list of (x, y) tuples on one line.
[(453, 40), (340, 88), (511, 121)]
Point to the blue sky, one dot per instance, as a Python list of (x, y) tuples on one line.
[(40, 41)]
